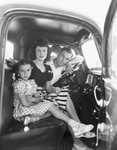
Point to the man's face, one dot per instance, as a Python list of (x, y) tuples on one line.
[(63, 58)]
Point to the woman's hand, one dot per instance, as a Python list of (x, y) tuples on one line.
[(57, 90), (37, 94)]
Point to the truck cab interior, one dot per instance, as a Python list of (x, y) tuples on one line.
[(20, 29)]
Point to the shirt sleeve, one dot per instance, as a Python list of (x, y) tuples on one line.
[(49, 73), (19, 87), (79, 58)]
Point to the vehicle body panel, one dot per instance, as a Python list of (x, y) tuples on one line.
[(95, 11)]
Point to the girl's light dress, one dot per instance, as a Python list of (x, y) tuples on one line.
[(28, 87)]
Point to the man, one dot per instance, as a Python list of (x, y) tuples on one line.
[(64, 61)]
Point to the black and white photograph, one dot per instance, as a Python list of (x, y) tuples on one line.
[(58, 75)]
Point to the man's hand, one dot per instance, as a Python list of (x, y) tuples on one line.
[(69, 68), (58, 90)]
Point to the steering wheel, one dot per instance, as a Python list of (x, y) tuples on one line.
[(68, 80)]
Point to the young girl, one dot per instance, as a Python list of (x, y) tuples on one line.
[(28, 102)]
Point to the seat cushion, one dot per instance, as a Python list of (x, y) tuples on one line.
[(44, 134)]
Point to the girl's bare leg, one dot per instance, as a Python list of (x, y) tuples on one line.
[(58, 114), (76, 127)]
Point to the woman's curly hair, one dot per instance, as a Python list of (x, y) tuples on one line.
[(42, 42)]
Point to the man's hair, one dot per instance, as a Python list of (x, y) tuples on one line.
[(67, 49)]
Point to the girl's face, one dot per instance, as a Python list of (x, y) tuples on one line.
[(41, 53), (25, 71)]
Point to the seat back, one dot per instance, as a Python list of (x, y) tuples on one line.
[(7, 104), (46, 133)]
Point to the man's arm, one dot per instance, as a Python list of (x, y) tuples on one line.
[(78, 59)]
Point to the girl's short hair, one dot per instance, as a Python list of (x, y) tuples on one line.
[(23, 61), (42, 42)]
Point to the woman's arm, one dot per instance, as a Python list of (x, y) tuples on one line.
[(50, 88)]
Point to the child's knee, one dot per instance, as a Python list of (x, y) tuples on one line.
[(52, 107)]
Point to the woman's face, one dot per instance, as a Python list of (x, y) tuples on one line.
[(41, 53)]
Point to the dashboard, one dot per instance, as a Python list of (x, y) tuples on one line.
[(94, 86), (93, 79)]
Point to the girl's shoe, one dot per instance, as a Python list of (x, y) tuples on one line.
[(79, 128), (77, 147), (27, 120), (87, 135), (26, 129)]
